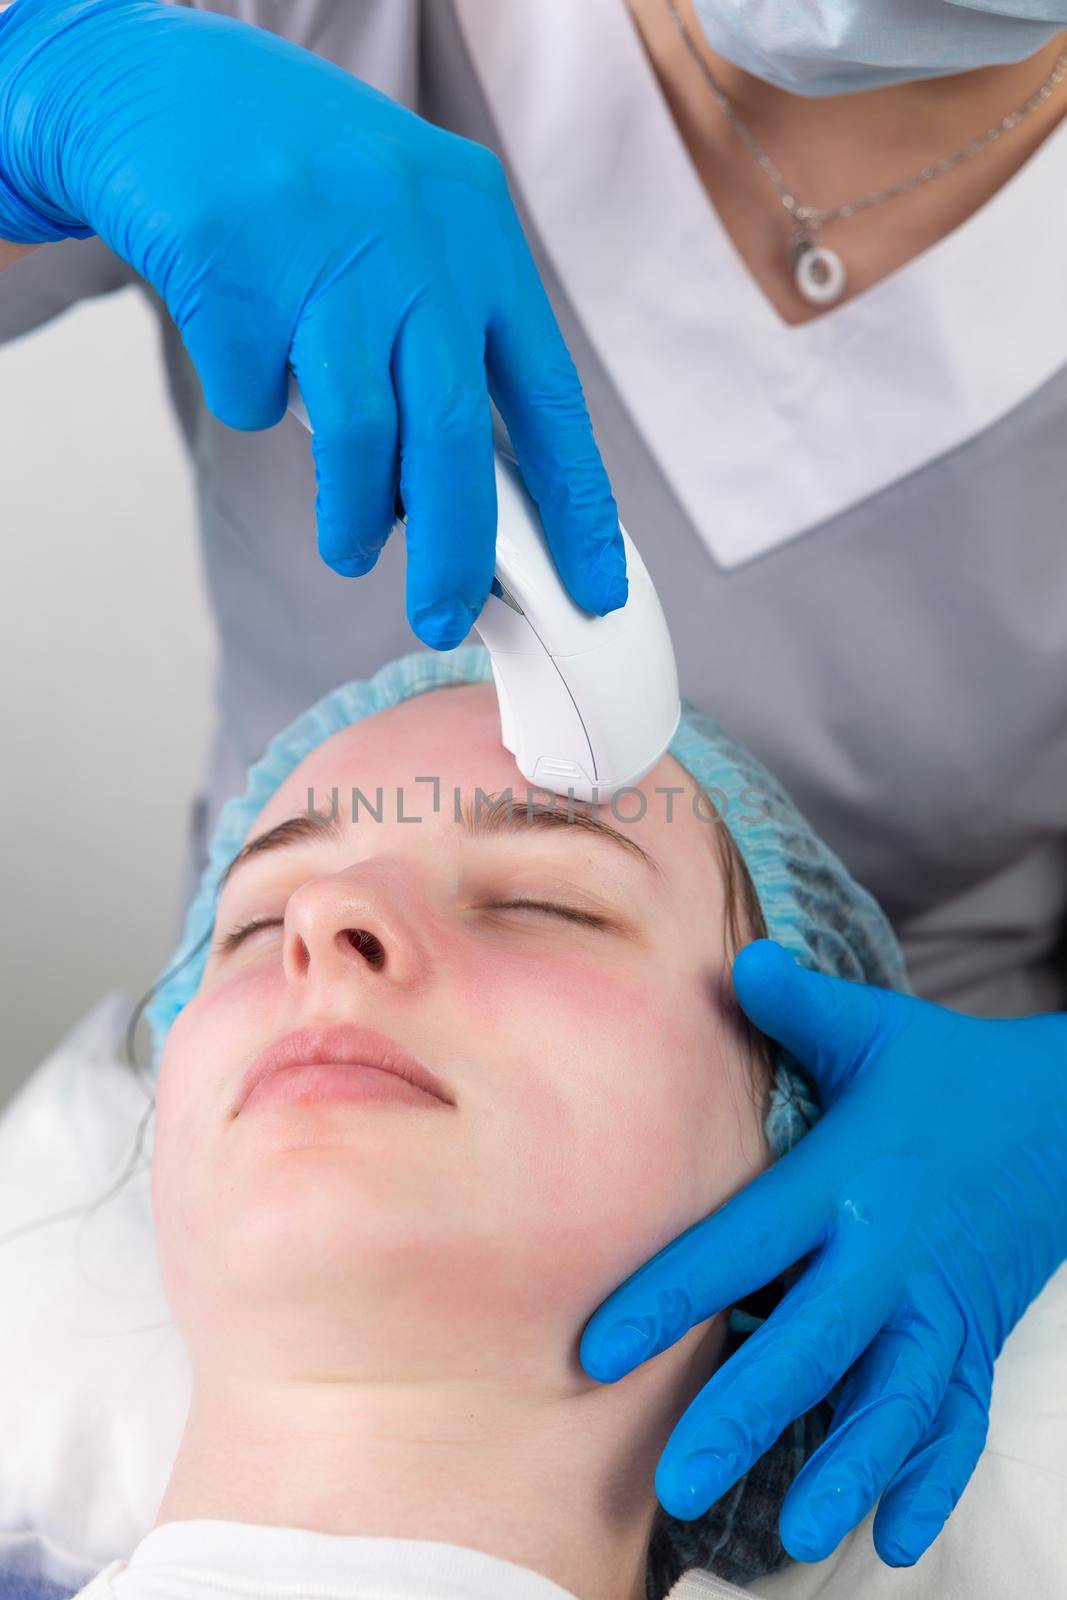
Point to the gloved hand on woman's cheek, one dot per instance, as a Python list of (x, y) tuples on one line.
[(932, 1200)]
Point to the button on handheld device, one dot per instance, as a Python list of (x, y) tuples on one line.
[(588, 704)]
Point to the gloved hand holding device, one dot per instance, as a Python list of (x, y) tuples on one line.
[(288, 213), (932, 1200)]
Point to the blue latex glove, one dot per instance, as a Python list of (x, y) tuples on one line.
[(932, 1199), (285, 211)]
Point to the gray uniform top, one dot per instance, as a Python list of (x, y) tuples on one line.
[(872, 596)]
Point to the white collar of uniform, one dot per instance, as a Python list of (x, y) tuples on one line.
[(204, 1559), (762, 429)]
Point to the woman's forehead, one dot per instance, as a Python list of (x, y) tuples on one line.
[(428, 750), (451, 736)]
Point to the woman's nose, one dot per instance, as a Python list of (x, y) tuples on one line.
[(366, 923)]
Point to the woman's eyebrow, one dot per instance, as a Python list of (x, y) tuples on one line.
[(501, 813), (310, 825), (481, 815)]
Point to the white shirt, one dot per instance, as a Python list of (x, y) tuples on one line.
[(215, 1560)]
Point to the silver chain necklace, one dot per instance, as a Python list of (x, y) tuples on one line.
[(819, 273)]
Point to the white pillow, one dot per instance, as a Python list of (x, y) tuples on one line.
[(94, 1380)]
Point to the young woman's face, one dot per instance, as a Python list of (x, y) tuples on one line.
[(570, 995)]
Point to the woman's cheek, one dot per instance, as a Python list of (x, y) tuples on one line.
[(530, 994), (619, 1021), (609, 1055), (231, 1013), (210, 1042)]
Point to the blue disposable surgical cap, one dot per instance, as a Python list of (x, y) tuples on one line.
[(811, 905)]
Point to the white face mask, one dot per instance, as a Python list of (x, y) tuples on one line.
[(822, 47)]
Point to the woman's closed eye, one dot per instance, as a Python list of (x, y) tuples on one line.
[(588, 919), (230, 941)]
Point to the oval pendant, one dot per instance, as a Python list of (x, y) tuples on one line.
[(820, 275)]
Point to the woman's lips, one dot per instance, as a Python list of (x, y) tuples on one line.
[(339, 1061), (332, 1080)]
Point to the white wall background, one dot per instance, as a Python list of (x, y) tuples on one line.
[(106, 665)]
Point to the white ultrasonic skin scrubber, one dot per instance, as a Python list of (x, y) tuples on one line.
[(588, 704)]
